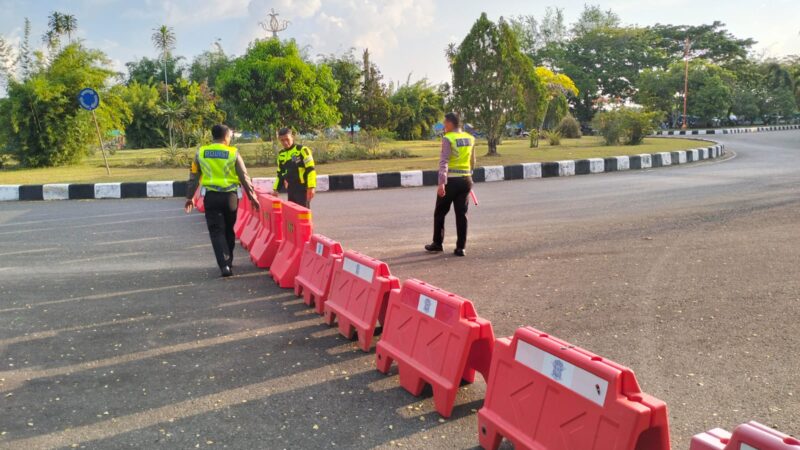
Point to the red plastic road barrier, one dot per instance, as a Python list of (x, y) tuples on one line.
[(359, 295), (269, 238), (543, 393), (297, 230), (251, 228), (436, 338), (313, 280), (242, 216), (748, 436)]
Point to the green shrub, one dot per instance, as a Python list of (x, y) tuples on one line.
[(553, 137), (625, 125), (534, 136), (381, 134), (569, 127), (175, 156)]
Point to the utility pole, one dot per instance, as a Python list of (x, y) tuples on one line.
[(687, 46)]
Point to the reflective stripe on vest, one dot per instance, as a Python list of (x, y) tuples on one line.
[(461, 145), (218, 164)]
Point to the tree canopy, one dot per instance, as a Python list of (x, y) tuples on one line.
[(272, 86), (493, 80)]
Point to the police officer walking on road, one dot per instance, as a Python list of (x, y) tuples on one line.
[(222, 170), (296, 172), (456, 163)]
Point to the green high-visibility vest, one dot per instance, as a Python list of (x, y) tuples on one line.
[(461, 146), (218, 164)]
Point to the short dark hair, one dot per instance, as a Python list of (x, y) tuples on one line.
[(453, 118), (220, 132), (285, 132)]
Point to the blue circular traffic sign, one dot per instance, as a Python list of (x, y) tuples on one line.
[(89, 99)]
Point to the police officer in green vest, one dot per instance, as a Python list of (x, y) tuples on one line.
[(296, 172), (456, 163), (222, 170)]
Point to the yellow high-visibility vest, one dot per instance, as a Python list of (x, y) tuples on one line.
[(218, 165), (461, 147)]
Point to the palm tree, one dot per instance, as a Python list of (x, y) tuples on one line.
[(69, 25), (52, 37), (56, 22), (164, 41)]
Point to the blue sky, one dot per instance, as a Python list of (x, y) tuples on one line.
[(404, 36)]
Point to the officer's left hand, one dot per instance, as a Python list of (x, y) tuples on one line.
[(441, 190), (188, 206), (310, 194)]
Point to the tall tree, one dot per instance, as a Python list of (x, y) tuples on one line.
[(164, 41), (533, 35), (272, 86), (25, 53), (347, 73), (55, 29), (6, 62), (593, 18), (69, 25), (417, 107), (491, 77), (710, 41), (375, 107), (604, 63), (207, 66)]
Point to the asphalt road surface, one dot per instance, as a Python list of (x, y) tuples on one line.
[(116, 332)]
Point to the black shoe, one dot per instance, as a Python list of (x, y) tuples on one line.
[(459, 252), (434, 248), (227, 272)]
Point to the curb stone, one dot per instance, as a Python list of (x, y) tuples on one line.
[(404, 179)]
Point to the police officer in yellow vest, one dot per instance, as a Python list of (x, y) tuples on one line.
[(222, 170), (296, 172), (456, 163)]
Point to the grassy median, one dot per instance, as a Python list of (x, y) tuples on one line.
[(139, 165)]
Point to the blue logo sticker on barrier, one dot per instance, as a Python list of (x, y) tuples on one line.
[(558, 369)]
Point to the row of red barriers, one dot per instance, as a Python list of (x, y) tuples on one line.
[(542, 393)]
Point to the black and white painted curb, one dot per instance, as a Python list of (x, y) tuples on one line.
[(726, 130), (365, 181)]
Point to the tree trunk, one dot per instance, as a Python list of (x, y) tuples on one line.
[(492, 142)]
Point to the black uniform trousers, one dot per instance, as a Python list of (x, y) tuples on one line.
[(456, 195), (221, 217), (298, 194)]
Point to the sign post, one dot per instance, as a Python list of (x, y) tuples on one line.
[(89, 100)]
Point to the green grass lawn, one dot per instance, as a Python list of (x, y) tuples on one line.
[(125, 163)]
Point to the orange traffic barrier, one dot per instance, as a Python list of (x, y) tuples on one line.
[(436, 338), (269, 238), (544, 393), (359, 294), (242, 216), (297, 230), (313, 280), (751, 435)]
